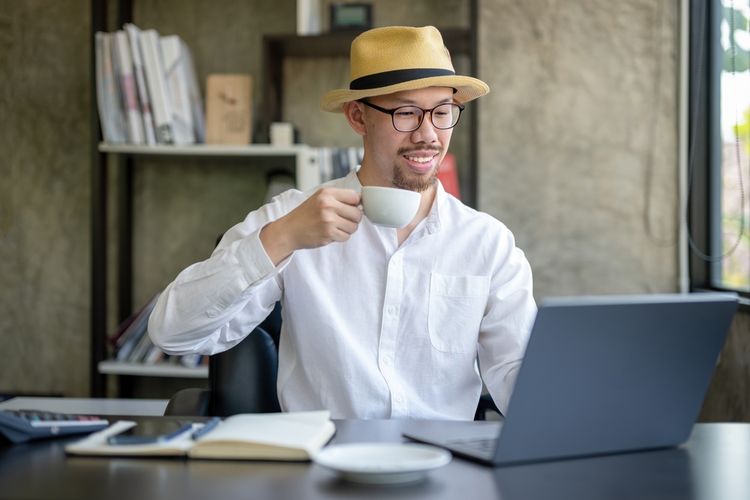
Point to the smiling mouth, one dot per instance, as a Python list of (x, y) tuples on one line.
[(420, 159)]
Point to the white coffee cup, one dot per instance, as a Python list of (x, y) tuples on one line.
[(390, 207)]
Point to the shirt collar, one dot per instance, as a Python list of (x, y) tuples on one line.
[(351, 181)]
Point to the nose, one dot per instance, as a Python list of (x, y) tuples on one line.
[(426, 131)]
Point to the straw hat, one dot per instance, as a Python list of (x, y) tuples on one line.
[(396, 58)]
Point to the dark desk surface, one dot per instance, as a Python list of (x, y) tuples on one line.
[(714, 464)]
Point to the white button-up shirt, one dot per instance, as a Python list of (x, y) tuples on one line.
[(370, 329)]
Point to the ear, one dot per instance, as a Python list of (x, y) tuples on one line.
[(355, 115)]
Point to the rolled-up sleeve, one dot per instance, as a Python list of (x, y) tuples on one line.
[(212, 305)]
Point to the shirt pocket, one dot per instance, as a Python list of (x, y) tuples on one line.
[(455, 311)]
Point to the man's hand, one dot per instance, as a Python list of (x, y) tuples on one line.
[(329, 215)]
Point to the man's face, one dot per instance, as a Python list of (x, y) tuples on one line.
[(408, 160)]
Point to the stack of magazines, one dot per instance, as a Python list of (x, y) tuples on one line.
[(147, 89), (131, 342)]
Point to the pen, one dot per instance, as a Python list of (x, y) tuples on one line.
[(208, 426)]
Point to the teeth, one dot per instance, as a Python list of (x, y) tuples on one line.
[(419, 159)]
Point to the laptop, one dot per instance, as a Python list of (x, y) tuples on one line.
[(601, 375)]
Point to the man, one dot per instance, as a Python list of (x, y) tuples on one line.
[(377, 322)]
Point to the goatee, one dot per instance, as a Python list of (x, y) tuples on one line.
[(417, 184)]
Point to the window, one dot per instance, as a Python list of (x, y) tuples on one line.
[(719, 144)]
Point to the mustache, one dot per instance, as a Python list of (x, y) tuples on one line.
[(436, 149)]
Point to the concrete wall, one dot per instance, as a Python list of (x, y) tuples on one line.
[(577, 156), (44, 196), (579, 140)]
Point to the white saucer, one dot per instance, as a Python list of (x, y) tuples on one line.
[(382, 463)]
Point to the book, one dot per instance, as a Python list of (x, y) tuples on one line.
[(101, 89), (154, 355), (294, 436), (195, 97), (190, 360), (136, 330), (124, 71), (108, 92), (140, 79), (175, 60), (141, 347), (325, 163), (228, 109), (158, 91)]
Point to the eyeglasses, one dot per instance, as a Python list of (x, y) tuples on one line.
[(409, 118)]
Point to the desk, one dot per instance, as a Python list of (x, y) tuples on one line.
[(93, 406), (714, 464)]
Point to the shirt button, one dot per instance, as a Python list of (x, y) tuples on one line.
[(392, 310)]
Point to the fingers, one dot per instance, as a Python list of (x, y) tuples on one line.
[(329, 215), (346, 196), (347, 227), (343, 203), (340, 212), (350, 213)]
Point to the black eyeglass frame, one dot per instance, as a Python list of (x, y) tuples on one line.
[(393, 111)]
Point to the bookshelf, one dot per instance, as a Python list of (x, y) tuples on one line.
[(275, 48), (306, 175), (157, 370), (205, 149), (306, 172)]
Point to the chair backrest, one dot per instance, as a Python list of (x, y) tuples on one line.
[(243, 378)]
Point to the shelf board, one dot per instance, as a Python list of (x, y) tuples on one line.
[(154, 370), (204, 149), (337, 44)]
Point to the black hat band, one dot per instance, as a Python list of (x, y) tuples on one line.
[(387, 78)]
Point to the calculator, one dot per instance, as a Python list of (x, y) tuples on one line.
[(20, 426)]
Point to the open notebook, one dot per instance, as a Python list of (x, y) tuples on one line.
[(266, 436)]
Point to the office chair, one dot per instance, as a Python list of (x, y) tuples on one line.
[(240, 380)]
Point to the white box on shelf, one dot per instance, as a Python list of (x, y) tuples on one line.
[(282, 134)]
